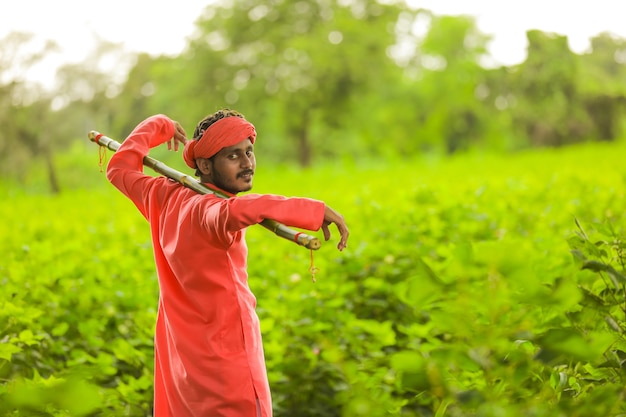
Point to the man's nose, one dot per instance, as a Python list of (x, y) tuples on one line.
[(247, 161)]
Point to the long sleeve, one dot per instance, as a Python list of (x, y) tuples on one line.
[(238, 213), (125, 169)]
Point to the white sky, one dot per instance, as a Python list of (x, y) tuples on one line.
[(161, 26), (508, 21)]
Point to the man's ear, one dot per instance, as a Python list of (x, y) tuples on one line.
[(204, 165)]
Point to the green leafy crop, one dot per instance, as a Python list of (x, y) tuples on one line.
[(476, 286)]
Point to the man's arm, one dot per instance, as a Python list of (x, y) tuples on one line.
[(125, 169), (240, 212)]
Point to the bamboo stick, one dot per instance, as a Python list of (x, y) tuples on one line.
[(302, 239)]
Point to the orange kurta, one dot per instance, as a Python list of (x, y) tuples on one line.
[(208, 351)]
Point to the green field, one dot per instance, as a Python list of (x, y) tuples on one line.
[(467, 289)]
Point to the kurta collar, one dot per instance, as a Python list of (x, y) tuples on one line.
[(219, 190)]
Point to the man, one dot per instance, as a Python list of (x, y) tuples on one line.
[(208, 351)]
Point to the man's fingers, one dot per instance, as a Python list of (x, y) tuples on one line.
[(176, 141), (343, 242), (179, 136), (326, 231), (343, 232)]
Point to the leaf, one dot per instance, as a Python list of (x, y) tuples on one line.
[(613, 324), (77, 396), (382, 331), (7, 350), (27, 337), (580, 227), (565, 344), (425, 271), (60, 329), (597, 266), (558, 380), (411, 367), (578, 255), (422, 288), (591, 299), (407, 361)]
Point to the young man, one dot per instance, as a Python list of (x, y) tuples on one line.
[(208, 351)]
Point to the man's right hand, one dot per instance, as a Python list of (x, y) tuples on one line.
[(179, 137)]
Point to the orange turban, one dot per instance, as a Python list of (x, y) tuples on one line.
[(225, 132)]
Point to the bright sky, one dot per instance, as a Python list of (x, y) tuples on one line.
[(508, 21), (161, 26)]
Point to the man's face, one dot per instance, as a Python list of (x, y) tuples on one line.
[(232, 168)]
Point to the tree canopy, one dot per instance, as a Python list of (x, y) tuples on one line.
[(328, 80)]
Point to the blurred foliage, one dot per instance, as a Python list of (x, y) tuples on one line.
[(472, 286), (323, 81)]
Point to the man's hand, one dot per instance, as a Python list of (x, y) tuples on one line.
[(179, 137), (331, 216)]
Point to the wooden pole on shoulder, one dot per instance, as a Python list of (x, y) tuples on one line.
[(279, 229)]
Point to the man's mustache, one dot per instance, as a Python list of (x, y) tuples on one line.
[(246, 172)]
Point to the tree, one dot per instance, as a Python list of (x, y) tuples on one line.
[(23, 108), (447, 64), (546, 87), (603, 71), (296, 66), (89, 88)]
